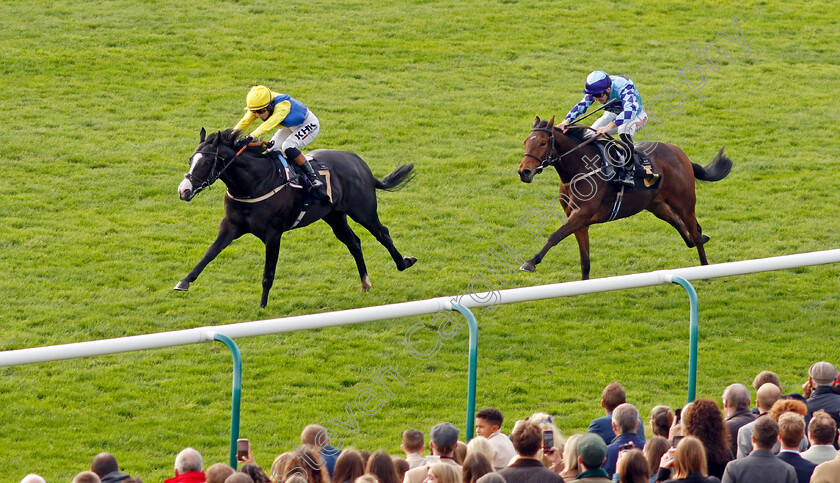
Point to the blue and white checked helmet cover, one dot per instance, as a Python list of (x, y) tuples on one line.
[(597, 82)]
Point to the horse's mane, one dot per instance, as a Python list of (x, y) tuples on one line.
[(233, 138), (228, 136), (574, 131)]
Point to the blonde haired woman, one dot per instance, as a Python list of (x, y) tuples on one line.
[(688, 463), (481, 445), (553, 459), (441, 473), (570, 459)]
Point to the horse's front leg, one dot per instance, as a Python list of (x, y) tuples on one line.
[(575, 222), (227, 233), (272, 251), (582, 237)]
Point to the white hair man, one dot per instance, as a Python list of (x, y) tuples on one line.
[(188, 467), (33, 478), (625, 423), (736, 405)]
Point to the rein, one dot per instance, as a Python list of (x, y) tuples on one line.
[(550, 160), (226, 164)]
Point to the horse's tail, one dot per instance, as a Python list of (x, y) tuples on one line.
[(716, 170), (397, 179)]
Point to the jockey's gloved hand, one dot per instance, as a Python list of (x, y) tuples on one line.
[(248, 138)]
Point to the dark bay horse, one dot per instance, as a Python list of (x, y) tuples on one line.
[(588, 197), (260, 201)]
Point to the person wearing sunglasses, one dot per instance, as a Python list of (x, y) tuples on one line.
[(298, 127), (624, 113)]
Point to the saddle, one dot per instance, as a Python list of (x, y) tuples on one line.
[(294, 175), (615, 165)]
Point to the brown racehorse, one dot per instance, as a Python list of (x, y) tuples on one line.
[(588, 197)]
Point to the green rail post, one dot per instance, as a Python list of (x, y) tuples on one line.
[(237, 393), (694, 325), (472, 367)]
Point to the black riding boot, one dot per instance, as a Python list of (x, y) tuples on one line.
[(317, 185), (627, 171)]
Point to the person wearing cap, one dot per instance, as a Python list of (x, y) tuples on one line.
[(623, 114), (444, 438), (592, 453), (298, 127), (528, 467), (824, 395)]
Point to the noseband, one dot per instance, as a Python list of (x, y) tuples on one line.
[(550, 159), (213, 176), (216, 158)]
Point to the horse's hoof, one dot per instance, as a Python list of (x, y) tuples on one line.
[(366, 284), (182, 286), (528, 267), (704, 239), (409, 261)]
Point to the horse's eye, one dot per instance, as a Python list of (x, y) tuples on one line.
[(542, 144)]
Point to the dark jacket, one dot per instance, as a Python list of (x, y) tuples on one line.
[(826, 398), (612, 449), (735, 422), (114, 477), (528, 471), (804, 468), (603, 428), (759, 466)]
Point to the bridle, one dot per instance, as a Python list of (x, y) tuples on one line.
[(216, 159), (550, 154)]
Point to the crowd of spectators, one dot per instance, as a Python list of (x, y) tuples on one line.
[(789, 438)]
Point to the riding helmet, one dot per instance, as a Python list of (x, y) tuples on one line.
[(258, 98), (597, 82)]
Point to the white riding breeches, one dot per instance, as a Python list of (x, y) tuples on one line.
[(630, 127), (297, 136)]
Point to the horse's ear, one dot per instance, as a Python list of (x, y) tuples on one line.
[(202, 135), (217, 139), (551, 122), (536, 121)]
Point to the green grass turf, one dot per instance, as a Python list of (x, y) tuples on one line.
[(103, 101)]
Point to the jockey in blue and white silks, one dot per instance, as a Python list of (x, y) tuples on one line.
[(624, 113)]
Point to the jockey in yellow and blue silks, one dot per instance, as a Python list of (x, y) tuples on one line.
[(298, 126), (624, 113)]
